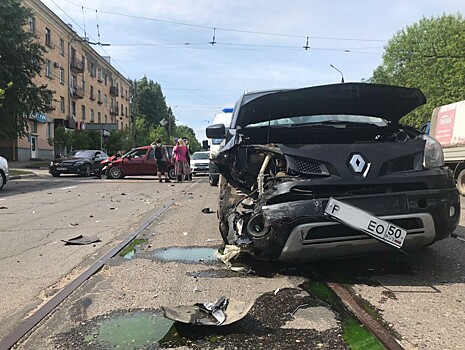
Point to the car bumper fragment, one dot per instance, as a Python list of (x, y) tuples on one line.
[(411, 210)]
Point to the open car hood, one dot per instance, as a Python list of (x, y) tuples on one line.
[(384, 101)]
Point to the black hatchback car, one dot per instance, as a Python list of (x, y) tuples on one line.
[(80, 162), (329, 171)]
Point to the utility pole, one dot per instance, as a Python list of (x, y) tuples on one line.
[(134, 113)]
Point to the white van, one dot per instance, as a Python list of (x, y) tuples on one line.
[(216, 144)]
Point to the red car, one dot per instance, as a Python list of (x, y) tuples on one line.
[(139, 161)]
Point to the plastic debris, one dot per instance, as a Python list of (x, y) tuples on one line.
[(207, 211), (81, 240), (221, 312), (230, 252)]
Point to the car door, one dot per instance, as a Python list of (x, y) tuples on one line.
[(135, 162), (151, 165)]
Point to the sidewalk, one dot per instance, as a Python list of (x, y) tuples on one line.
[(32, 167)]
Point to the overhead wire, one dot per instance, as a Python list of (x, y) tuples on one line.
[(214, 28)]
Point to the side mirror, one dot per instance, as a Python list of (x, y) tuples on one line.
[(216, 131)]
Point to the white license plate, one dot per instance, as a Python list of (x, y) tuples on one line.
[(363, 221), (62, 169)]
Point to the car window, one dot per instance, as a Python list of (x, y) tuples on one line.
[(81, 154), (200, 155), (170, 151), (324, 118), (151, 154)]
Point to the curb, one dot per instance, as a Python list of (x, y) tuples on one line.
[(16, 177)]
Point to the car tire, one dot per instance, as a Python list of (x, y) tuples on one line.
[(171, 173), (87, 170), (2, 179), (115, 173), (213, 180), (461, 182), (55, 174)]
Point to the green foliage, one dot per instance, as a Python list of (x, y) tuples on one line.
[(429, 55), (20, 61), (118, 141), (62, 138), (150, 109)]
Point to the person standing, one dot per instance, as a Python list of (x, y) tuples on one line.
[(161, 157), (181, 166), (186, 141)]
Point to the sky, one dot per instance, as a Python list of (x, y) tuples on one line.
[(257, 45)]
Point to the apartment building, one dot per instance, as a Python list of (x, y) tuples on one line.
[(88, 89)]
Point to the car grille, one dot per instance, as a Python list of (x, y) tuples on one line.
[(309, 167), (403, 164)]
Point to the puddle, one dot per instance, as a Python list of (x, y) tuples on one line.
[(185, 254), (129, 330)]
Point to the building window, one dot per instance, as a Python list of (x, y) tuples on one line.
[(48, 37), (49, 130), (105, 100), (73, 80), (122, 111), (91, 115), (83, 83), (99, 96), (32, 25), (62, 47), (73, 109), (121, 125), (99, 117), (62, 104), (83, 60), (62, 75), (83, 112), (34, 127), (48, 68), (106, 119), (92, 93)]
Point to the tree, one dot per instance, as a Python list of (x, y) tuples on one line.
[(429, 55), (20, 61), (118, 141)]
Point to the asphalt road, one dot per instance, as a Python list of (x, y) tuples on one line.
[(419, 297)]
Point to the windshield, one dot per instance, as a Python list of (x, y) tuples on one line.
[(81, 154), (321, 119), (217, 141), (200, 155)]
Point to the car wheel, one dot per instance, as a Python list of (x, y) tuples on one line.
[(115, 173), (461, 182), (171, 173), (213, 180), (55, 174), (87, 170), (2, 179)]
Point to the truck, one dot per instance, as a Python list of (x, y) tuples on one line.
[(448, 127), (217, 144)]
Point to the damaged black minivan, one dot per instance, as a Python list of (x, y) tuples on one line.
[(328, 171)]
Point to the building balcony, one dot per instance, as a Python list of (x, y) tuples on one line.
[(114, 91), (77, 92), (77, 65), (114, 110)]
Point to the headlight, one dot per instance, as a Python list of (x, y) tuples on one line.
[(78, 163), (433, 156)]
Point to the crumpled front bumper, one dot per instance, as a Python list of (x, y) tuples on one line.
[(299, 230)]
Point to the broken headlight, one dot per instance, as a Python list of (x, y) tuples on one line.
[(433, 156)]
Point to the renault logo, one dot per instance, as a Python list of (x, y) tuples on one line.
[(357, 163)]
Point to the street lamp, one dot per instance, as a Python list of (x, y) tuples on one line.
[(342, 76)]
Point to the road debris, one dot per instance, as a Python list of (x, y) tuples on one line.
[(207, 211), (221, 312), (81, 240), (230, 252)]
